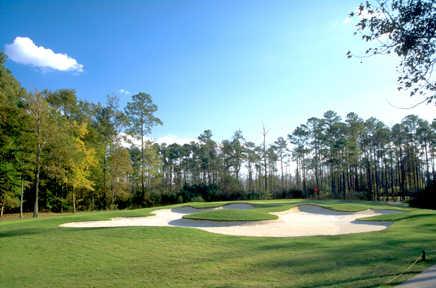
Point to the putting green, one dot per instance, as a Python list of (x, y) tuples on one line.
[(231, 215)]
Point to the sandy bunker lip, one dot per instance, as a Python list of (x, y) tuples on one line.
[(302, 220)]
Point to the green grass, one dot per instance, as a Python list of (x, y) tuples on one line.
[(37, 253), (282, 204), (231, 215), (261, 209)]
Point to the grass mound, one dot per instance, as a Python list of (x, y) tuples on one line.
[(261, 209), (231, 215)]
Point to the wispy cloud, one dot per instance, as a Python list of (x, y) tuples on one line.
[(347, 20), (127, 140), (170, 139), (23, 50), (123, 92)]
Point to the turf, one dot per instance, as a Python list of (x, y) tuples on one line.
[(261, 209), (40, 254), (231, 215)]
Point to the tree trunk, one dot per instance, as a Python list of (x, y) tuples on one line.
[(250, 178), (21, 198), (282, 176), (392, 179), (112, 176), (402, 181), (369, 176), (38, 171), (142, 163), (332, 183), (264, 161), (344, 186), (427, 165), (356, 180), (304, 181), (74, 201), (104, 176)]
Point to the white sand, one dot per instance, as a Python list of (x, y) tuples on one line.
[(304, 220)]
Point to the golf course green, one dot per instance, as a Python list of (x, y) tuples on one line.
[(39, 253)]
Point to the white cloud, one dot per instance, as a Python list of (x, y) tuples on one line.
[(347, 20), (170, 139), (127, 140), (24, 51), (123, 92)]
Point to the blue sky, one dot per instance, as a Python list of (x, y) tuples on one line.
[(220, 65)]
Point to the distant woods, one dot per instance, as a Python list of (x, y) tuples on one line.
[(326, 157), (59, 153)]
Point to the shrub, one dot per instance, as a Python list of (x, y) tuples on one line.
[(426, 198)]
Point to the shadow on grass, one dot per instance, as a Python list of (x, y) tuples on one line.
[(204, 223), (404, 216), (22, 232), (10, 233)]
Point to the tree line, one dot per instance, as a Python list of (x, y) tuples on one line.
[(60, 153)]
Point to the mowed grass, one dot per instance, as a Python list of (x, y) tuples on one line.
[(41, 254), (261, 209), (231, 215)]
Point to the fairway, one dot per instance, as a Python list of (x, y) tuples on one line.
[(41, 254)]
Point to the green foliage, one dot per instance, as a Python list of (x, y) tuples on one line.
[(70, 154), (407, 29), (14, 139), (140, 113), (120, 168), (426, 198)]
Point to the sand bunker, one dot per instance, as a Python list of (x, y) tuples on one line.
[(304, 220)]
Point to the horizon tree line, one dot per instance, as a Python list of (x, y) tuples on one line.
[(59, 153)]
